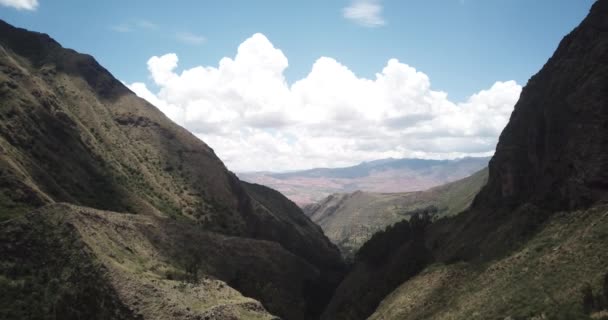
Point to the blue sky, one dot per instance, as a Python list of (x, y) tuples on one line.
[(463, 45), (305, 84)]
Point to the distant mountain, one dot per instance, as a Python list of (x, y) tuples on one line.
[(533, 243), (109, 210), (350, 219), (385, 175)]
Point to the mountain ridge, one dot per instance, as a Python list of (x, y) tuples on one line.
[(383, 175), (536, 155), (110, 210), (535, 218), (72, 133)]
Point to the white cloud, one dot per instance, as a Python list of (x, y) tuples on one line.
[(20, 4), (367, 13), (245, 109), (190, 38)]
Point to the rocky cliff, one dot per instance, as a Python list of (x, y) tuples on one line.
[(534, 237), (553, 150)]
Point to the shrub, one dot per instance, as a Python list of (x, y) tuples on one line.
[(588, 300)]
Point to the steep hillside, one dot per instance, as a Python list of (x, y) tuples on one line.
[(552, 153), (545, 278), (349, 220), (70, 132), (70, 262), (380, 176), (532, 245)]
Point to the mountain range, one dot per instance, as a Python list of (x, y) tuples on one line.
[(108, 210)]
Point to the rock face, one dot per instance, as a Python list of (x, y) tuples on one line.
[(551, 157), (70, 132), (543, 278), (553, 151)]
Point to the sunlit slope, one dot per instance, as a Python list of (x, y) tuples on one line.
[(72, 133), (351, 219)]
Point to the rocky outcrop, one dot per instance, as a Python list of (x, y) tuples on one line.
[(553, 153), (552, 156)]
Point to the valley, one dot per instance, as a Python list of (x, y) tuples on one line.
[(350, 219), (379, 176), (111, 210)]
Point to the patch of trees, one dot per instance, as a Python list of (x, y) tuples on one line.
[(595, 302), (383, 243)]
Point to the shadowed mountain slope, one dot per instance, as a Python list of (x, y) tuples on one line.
[(70, 132), (532, 245), (552, 153)]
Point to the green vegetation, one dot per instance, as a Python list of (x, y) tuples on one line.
[(379, 247), (180, 234), (557, 274), (46, 272), (70, 262), (349, 220), (72, 133), (10, 209)]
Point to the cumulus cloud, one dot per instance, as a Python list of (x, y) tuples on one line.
[(367, 13), (245, 109), (20, 4)]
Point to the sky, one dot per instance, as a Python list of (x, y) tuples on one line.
[(276, 85)]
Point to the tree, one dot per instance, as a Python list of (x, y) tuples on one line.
[(588, 300)]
